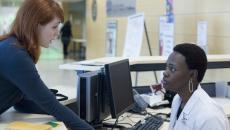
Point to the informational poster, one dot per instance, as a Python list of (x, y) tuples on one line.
[(163, 20), (166, 37), (202, 35), (111, 38), (166, 30), (118, 8), (169, 11), (134, 35)]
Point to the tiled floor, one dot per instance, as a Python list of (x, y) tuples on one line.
[(48, 68), (53, 76)]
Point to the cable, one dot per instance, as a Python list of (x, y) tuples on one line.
[(115, 123), (164, 116), (131, 119)]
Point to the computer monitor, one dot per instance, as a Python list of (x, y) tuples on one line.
[(105, 92), (118, 81)]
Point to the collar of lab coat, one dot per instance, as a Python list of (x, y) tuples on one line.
[(190, 104), (184, 116)]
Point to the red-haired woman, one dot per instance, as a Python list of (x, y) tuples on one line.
[(35, 26)]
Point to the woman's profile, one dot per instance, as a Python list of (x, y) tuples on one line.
[(192, 108)]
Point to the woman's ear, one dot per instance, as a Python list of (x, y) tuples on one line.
[(194, 74)]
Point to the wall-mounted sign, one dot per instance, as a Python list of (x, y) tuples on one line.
[(166, 36), (118, 8), (134, 35), (202, 35), (111, 38), (169, 11), (94, 10)]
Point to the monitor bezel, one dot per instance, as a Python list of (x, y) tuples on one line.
[(114, 113)]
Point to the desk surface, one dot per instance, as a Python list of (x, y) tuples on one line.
[(96, 64), (128, 119), (70, 92), (11, 115), (224, 102)]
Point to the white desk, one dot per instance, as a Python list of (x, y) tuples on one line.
[(133, 118), (127, 119), (70, 92), (149, 63), (142, 63), (224, 102), (11, 115)]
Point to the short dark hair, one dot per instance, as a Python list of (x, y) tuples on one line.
[(195, 58)]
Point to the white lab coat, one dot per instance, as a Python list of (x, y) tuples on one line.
[(200, 113)]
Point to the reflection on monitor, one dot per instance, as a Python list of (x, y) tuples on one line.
[(118, 79)]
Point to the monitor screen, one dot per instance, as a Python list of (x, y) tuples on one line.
[(119, 83)]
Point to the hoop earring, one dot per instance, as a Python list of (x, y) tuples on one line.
[(190, 86)]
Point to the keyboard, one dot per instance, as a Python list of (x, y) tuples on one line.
[(152, 122)]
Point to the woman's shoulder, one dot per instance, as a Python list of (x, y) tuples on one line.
[(10, 48), (208, 107), (11, 44)]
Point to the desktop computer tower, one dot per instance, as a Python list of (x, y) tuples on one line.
[(88, 96)]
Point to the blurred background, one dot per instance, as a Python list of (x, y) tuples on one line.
[(90, 18)]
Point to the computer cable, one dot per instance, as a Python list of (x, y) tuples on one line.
[(115, 123), (164, 116)]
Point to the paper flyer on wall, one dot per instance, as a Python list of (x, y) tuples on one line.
[(169, 11), (202, 35), (134, 35), (118, 8), (111, 38), (166, 36)]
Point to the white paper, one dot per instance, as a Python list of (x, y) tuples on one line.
[(166, 37), (134, 35), (111, 38), (202, 33)]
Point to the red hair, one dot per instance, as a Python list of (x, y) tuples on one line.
[(25, 26)]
